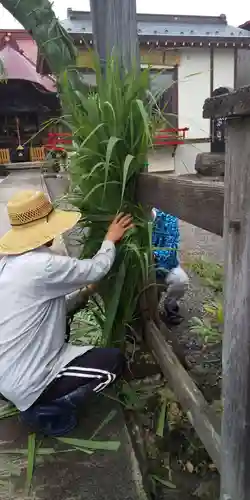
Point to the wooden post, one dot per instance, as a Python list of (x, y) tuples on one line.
[(235, 460), (115, 30), (202, 417)]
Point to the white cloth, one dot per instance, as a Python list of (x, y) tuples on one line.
[(177, 282), (33, 287)]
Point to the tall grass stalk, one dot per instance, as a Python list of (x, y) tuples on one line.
[(112, 130), (31, 460)]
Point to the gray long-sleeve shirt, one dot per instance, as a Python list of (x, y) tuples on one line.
[(33, 287)]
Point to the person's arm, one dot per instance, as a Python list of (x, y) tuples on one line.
[(78, 300), (65, 275)]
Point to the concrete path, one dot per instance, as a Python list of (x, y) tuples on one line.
[(64, 473), (60, 473)]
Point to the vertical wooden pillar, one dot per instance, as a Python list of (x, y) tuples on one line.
[(235, 459), (115, 30)]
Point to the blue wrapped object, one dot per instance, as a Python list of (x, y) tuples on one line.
[(166, 238)]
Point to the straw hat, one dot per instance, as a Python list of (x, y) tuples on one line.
[(34, 222)]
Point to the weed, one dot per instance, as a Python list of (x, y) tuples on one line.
[(204, 329), (212, 274), (209, 328)]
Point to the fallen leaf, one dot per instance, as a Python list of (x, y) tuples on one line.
[(189, 467)]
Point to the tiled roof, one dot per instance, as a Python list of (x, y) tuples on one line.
[(187, 30), (178, 27), (24, 40)]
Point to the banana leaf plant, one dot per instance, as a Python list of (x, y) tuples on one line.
[(54, 43)]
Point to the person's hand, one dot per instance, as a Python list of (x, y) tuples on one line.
[(120, 225)]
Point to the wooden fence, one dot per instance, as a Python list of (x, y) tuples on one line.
[(200, 202)]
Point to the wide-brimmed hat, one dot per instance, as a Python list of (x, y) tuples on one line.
[(34, 222)]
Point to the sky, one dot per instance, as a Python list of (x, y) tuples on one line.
[(236, 13)]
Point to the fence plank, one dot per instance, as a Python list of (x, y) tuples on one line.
[(199, 202), (235, 479), (202, 417)]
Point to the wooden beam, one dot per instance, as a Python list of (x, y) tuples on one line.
[(115, 30), (202, 417), (235, 479), (199, 202)]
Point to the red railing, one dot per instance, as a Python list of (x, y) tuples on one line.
[(57, 141), (166, 137), (170, 136)]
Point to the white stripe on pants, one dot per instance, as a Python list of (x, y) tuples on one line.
[(89, 373)]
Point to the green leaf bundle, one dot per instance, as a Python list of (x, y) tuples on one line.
[(112, 130)]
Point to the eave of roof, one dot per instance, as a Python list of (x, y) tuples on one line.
[(176, 33), (18, 34), (17, 66)]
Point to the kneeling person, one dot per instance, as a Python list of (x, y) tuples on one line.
[(42, 375)]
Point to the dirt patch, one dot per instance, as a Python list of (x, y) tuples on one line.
[(196, 243), (203, 357)]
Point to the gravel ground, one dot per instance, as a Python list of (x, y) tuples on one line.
[(196, 242), (206, 364)]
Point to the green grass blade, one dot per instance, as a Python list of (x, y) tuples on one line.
[(127, 163), (110, 149), (94, 170), (162, 418), (91, 445), (164, 482), (8, 411), (144, 116), (113, 304), (105, 422), (108, 106), (79, 448), (98, 186), (25, 452), (31, 460), (90, 135)]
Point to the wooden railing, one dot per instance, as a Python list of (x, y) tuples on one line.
[(58, 141), (170, 136), (200, 202), (4, 156)]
